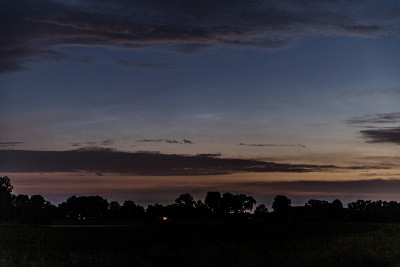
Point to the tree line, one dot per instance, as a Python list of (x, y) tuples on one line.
[(96, 209)]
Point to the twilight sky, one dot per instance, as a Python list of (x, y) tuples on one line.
[(259, 97)]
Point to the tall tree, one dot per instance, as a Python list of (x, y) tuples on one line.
[(228, 203), (281, 206), (185, 200), (5, 191), (261, 210), (6, 198), (213, 201)]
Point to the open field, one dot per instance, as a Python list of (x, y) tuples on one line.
[(206, 244)]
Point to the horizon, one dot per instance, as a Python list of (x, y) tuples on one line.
[(301, 86)]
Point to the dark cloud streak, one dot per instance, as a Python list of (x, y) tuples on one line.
[(32, 29), (269, 145), (375, 134), (169, 141), (382, 135), (107, 160), (92, 144)]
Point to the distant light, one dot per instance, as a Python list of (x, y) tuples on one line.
[(165, 218)]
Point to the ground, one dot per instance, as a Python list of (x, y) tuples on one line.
[(202, 244)]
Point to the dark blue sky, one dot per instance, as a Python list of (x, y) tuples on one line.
[(288, 81)]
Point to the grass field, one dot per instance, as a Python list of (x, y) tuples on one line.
[(195, 244)]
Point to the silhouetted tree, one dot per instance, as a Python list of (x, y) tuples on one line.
[(281, 203), (94, 207), (213, 201), (242, 203), (114, 210), (33, 210), (281, 206), (114, 206), (322, 210), (392, 211), (227, 203), (36, 209), (200, 204), (156, 210), (357, 210), (248, 202), (22, 201), (236, 203), (130, 210), (374, 211), (41, 211), (317, 204), (202, 211), (186, 208), (337, 204), (5, 185), (84, 207), (261, 210), (337, 211), (185, 200), (6, 198), (37, 201), (22, 208)]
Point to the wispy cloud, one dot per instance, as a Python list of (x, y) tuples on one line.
[(94, 149), (169, 141), (107, 142), (32, 29), (56, 56), (128, 64), (375, 134), (10, 144), (268, 145), (375, 119)]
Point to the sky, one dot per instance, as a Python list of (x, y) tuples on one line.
[(146, 100)]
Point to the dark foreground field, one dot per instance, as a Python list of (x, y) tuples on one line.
[(195, 244)]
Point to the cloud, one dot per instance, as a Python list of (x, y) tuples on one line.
[(107, 160), (151, 140), (10, 144), (376, 118), (107, 142), (75, 144), (211, 155), (169, 141), (55, 56), (374, 134), (92, 144), (317, 124), (382, 135), (128, 64), (94, 149), (266, 145), (33, 29)]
